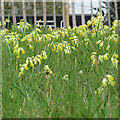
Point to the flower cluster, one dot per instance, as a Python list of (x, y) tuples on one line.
[(93, 58), (47, 69), (114, 60), (102, 58), (100, 43), (57, 47), (32, 61), (108, 80), (65, 77), (17, 50)]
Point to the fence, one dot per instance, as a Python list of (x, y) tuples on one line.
[(65, 9)]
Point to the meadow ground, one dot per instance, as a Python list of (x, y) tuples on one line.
[(69, 73)]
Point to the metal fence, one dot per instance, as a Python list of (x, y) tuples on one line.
[(36, 9)]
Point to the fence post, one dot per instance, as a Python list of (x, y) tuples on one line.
[(13, 13), (2, 13), (100, 7), (54, 14), (116, 12), (63, 13), (91, 8), (73, 13), (66, 13), (82, 14), (108, 7), (24, 12), (34, 13), (44, 13)]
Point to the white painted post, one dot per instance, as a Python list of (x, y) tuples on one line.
[(24, 12), (82, 12), (54, 14), (73, 13), (116, 12), (13, 13), (35, 13), (108, 6), (2, 13), (44, 12)]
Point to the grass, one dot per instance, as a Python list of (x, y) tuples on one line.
[(35, 95)]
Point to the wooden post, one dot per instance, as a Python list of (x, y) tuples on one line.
[(13, 14), (2, 13), (73, 13), (34, 13), (116, 12), (63, 13), (44, 13), (66, 13), (82, 14), (24, 12), (100, 7), (108, 6), (91, 8), (54, 14)]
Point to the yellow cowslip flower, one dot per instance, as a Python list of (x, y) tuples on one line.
[(108, 47), (31, 64), (113, 83), (40, 62), (29, 41), (110, 77), (106, 58), (72, 41), (7, 20), (19, 75), (61, 49), (104, 82), (44, 55), (58, 47), (114, 60), (31, 47), (26, 68), (35, 61), (71, 38), (41, 57), (53, 74), (11, 40), (93, 58), (13, 52), (50, 71), (56, 51), (18, 52), (20, 35), (116, 55), (104, 85), (14, 48), (18, 56), (53, 45), (27, 61), (21, 72), (8, 42), (27, 38), (21, 40), (23, 52), (95, 92)]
